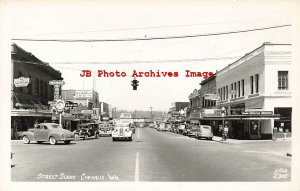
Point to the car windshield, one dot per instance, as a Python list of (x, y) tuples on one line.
[(122, 124)]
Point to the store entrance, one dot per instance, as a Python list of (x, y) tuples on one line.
[(255, 129)]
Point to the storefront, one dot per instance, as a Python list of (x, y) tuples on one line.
[(22, 120)]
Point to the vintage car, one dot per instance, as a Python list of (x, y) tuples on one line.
[(204, 131), (105, 130), (45, 132), (193, 130), (87, 130), (162, 126), (181, 128), (122, 130)]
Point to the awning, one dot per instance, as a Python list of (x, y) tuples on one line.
[(33, 113), (242, 117)]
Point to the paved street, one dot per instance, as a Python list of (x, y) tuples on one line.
[(151, 156)]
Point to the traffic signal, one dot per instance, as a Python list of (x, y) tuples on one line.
[(135, 84)]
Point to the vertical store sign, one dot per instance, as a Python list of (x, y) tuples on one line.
[(57, 85)]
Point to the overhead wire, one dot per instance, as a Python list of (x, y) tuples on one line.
[(151, 38), (151, 27)]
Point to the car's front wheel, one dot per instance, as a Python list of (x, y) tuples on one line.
[(52, 141), (85, 137), (26, 140)]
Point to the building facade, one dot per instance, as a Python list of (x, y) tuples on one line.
[(30, 88), (87, 106), (256, 93)]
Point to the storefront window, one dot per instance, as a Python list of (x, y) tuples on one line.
[(283, 124), (254, 130)]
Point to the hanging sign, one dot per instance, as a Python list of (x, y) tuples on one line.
[(21, 82)]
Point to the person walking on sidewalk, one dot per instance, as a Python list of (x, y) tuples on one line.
[(225, 133)]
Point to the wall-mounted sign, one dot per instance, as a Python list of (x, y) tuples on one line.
[(71, 105), (211, 112), (21, 82), (212, 97), (56, 82), (83, 94), (258, 113), (86, 111)]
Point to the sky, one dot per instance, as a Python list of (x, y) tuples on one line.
[(104, 20)]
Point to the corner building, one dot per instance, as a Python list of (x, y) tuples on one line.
[(256, 93)]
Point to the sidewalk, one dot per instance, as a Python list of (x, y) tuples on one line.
[(237, 141), (277, 145)]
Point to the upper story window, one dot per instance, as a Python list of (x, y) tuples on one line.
[(242, 88), (37, 87), (256, 83), (283, 80), (42, 88), (239, 89), (46, 90), (29, 86), (251, 85)]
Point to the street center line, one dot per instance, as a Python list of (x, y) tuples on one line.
[(136, 174)]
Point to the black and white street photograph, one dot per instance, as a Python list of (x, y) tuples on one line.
[(175, 95)]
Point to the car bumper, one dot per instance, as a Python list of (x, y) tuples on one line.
[(106, 134), (67, 139), (191, 134), (121, 136)]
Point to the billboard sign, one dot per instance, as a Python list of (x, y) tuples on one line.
[(212, 97)]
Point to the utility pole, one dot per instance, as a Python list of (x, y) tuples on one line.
[(151, 111)]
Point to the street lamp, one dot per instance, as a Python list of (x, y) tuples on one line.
[(223, 113)]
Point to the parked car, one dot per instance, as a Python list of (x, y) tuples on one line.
[(45, 132), (204, 131), (162, 127), (193, 129), (174, 127), (181, 128), (105, 130), (186, 128), (122, 131), (87, 130), (168, 127)]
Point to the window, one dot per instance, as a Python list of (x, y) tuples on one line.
[(283, 80), (42, 88), (46, 90), (234, 89), (256, 83), (243, 92), (239, 88), (29, 86), (37, 87), (231, 91), (251, 84), (226, 93)]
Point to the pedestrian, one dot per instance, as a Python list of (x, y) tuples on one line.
[(225, 133)]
